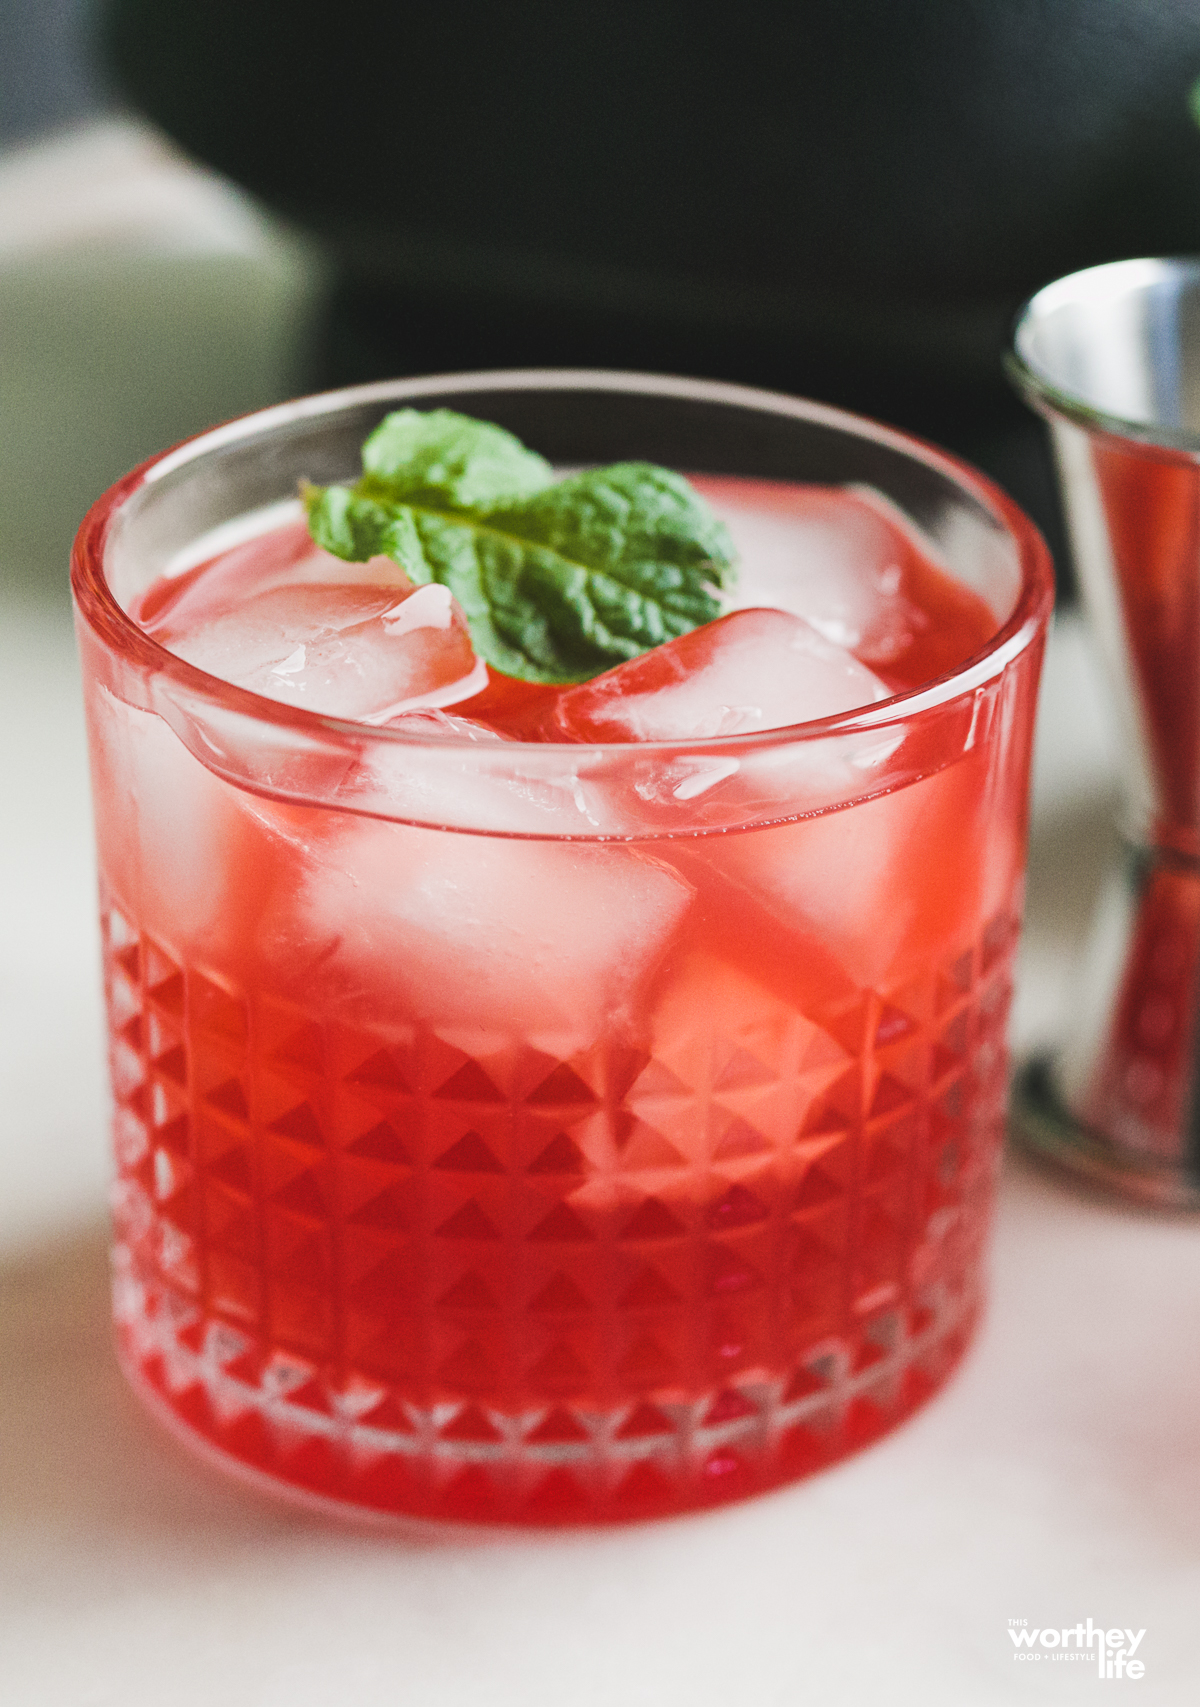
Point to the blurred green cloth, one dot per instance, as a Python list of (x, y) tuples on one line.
[(140, 301)]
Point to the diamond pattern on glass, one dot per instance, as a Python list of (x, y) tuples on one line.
[(386, 1270)]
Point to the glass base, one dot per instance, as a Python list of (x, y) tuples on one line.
[(456, 1464), (1043, 1126)]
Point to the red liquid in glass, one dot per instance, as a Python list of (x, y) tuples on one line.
[(529, 1181)]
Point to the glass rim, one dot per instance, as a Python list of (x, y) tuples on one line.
[(1107, 278), (105, 616)]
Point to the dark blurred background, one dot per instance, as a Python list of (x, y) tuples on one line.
[(846, 199)]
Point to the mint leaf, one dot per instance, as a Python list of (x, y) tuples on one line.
[(448, 461), (558, 580), (629, 556), (355, 528)]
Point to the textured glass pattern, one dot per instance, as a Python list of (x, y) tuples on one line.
[(379, 1269)]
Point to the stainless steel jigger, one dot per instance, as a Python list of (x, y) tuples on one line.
[(1111, 357)]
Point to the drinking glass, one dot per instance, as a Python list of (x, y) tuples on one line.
[(546, 1133)]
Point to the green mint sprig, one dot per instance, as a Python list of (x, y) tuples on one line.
[(559, 580)]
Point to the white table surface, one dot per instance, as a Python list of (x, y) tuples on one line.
[(1056, 1479)]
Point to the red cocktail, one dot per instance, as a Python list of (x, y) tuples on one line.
[(558, 1104)]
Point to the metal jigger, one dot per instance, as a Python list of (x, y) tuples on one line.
[(1111, 358)]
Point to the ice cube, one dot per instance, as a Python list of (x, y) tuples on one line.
[(889, 884), (169, 831), (463, 774), (754, 669), (717, 1023), (283, 556), (853, 566), (817, 551), (355, 651), (778, 947), (488, 939)]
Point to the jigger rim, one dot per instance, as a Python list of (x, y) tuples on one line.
[(1107, 280)]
